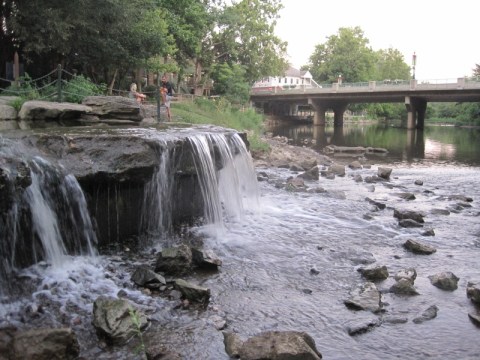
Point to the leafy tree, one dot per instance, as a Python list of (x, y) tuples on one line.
[(476, 71), (346, 53), (229, 80), (390, 64), (245, 35)]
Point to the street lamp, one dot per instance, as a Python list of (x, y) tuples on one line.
[(414, 62)]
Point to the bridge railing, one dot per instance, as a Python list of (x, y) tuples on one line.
[(382, 85)]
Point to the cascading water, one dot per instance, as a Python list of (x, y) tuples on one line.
[(47, 222), (226, 178), (227, 193)]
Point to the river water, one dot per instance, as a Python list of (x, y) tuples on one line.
[(266, 282)]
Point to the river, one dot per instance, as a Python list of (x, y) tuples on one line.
[(266, 280)]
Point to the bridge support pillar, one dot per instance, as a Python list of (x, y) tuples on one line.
[(319, 117), (338, 110), (416, 109)]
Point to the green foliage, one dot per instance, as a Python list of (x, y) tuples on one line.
[(80, 87), (346, 53), (138, 330), (390, 64), (221, 113), (387, 111), (25, 89), (245, 35), (229, 80), (17, 103)]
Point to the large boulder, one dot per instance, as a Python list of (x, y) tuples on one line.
[(45, 344), (273, 345), (114, 107), (39, 114), (175, 260), (116, 320)]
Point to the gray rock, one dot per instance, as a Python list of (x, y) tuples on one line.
[(445, 281), (233, 344), (365, 297), (46, 344), (36, 110), (175, 261), (429, 314), (337, 169), (356, 327), (205, 258), (408, 214), (475, 317), (116, 320), (473, 291), (384, 172), (419, 248), (311, 174), (193, 292), (374, 273), (409, 274), (280, 345), (403, 287), (409, 223), (114, 107), (355, 165), (147, 278)]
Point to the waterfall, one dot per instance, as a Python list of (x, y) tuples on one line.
[(229, 192), (47, 222), (226, 179)]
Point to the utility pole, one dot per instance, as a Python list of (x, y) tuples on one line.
[(414, 62)]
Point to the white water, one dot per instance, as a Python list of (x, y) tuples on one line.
[(268, 248)]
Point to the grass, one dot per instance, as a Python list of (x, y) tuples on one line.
[(221, 113)]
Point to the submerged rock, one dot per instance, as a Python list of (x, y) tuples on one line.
[(429, 314)]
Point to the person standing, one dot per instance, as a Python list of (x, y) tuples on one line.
[(166, 90)]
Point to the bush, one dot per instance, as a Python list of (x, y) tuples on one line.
[(80, 87)]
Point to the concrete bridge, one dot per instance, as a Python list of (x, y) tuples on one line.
[(336, 97)]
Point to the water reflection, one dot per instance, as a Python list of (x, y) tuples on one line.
[(439, 143)]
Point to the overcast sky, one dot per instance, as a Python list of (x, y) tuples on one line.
[(444, 34)]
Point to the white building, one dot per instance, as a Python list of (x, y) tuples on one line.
[(292, 79)]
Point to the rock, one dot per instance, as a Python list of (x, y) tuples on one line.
[(406, 196), (418, 248), (114, 107), (475, 317), (440, 212), (408, 214), (219, 322), (428, 232), (355, 165), (193, 292), (418, 182), (473, 291), (46, 344), (233, 344), (311, 174), (36, 113), (409, 223), (175, 261), (384, 172), (445, 281), (147, 278), (337, 169), (155, 351), (378, 204), (280, 345), (403, 287), (116, 320), (358, 178), (205, 259), (364, 297), (409, 274), (374, 273), (460, 198), (356, 327), (429, 314)]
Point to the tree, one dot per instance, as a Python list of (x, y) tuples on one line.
[(245, 35), (390, 64), (346, 53), (229, 80)]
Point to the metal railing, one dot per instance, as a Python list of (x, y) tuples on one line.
[(382, 85)]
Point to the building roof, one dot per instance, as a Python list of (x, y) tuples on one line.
[(292, 72)]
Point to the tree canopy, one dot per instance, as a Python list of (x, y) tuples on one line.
[(106, 40)]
